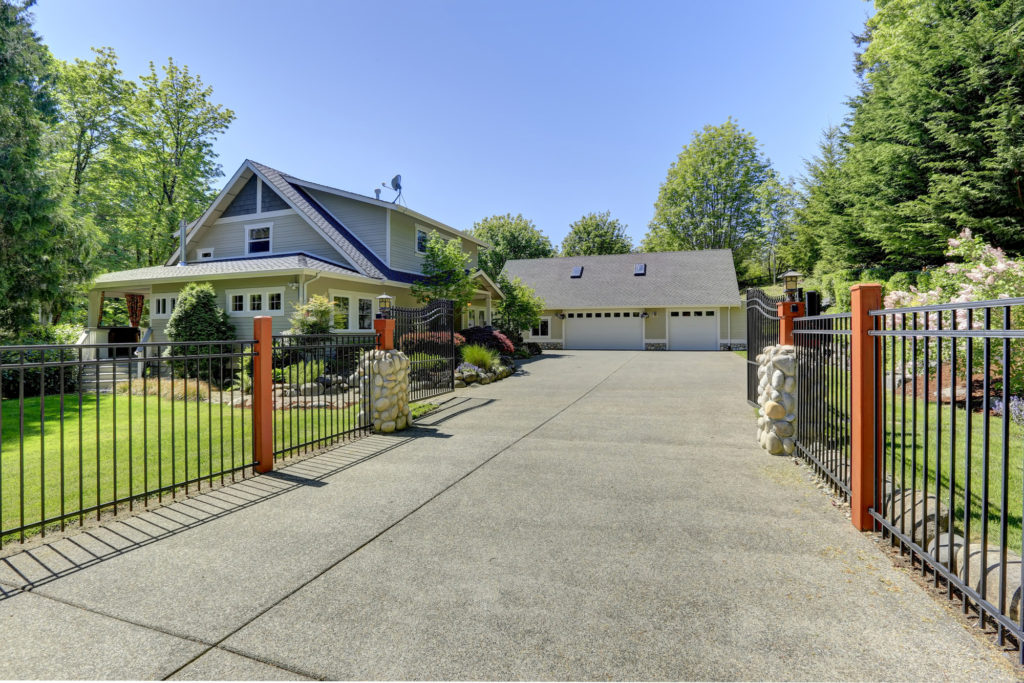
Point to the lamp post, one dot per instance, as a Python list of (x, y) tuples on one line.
[(790, 281), (384, 306)]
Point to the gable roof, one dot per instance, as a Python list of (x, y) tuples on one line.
[(674, 278)]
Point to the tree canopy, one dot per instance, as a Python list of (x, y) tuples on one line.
[(446, 273), (595, 234), (511, 237), (519, 309)]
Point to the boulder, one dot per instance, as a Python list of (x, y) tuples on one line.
[(774, 411), (975, 560), (783, 429), (773, 443), (786, 364), (939, 549), (311, 389), (459, 384), (906, 508), (778, 379)]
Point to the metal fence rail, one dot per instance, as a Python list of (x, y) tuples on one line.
[(948, 448), (824, 395), (427, 336), (318, 396), (762, 331), (82, 435)]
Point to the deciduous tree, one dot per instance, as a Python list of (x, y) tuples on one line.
[(595, 234), (446, 274), (511, 237)]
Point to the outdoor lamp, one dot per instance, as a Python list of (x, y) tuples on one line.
[(645, 314), (790, 280), (384, 306)]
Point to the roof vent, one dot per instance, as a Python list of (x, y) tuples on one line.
[(577, 272), (639, 269)]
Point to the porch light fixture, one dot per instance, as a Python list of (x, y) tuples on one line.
[(645, 314), (790, 284), (384, 306), (561, 316)]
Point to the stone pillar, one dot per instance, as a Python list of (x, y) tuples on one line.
[(776, 414), (386, 374)]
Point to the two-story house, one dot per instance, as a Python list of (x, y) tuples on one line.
[(270, 241)]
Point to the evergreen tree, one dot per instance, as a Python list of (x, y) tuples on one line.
[(43, 250)]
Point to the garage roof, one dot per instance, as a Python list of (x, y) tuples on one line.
[(672, 278)]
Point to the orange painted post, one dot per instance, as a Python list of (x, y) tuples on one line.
[(788, 310), (262, 397), (865, 419), (385, 328)]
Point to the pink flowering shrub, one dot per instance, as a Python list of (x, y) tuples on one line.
[(980, 272)]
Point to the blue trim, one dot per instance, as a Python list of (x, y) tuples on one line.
[(375, 260)]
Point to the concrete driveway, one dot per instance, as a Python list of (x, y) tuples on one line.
[(602, 515)]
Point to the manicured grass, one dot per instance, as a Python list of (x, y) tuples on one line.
[(741, 354), (102, 460), (903, 444), (422, 408)]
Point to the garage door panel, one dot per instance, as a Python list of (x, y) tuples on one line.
[(688, 331), (600, 332)]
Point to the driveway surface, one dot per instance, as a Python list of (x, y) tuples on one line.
[(601, 515)]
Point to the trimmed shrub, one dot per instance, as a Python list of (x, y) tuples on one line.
[(902, 281), (480, 356), (426, 342), (533, 348), (490, 338), (313, 317), (198, 318), (51, 378)]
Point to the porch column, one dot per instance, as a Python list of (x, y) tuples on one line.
[(95, 304), (490, 319)]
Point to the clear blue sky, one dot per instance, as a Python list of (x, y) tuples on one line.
[(549, 109)]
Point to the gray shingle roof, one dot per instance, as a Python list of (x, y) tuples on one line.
[(674, 278), (287, 262)]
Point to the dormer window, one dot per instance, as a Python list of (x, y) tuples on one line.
[(257, 239)]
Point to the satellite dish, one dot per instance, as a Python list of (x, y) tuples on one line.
[(396, 183)]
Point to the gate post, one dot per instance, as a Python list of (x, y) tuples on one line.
[(866, 425), (262, 396), (385, 329), (788, 311)]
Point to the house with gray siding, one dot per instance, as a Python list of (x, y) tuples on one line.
[(270, 241)]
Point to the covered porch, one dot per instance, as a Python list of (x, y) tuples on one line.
[(115, 316), (480, 309)]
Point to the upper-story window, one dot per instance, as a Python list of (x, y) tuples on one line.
[(257, 239), (422, 237)]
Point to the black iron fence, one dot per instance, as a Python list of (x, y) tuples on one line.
[(82, 435), (762, 331), (427, 336), (320, 390), (949, 449), (823, 395)]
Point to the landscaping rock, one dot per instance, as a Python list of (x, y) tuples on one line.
[(773, 443), (975, 560), (907, 510), (939, 549), (774, 411), (311, 389), (459, 384)]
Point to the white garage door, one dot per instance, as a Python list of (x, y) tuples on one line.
[(693, 330), (604, 330)]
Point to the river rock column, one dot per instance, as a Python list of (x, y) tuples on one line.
[(776, 414), (386, 376)]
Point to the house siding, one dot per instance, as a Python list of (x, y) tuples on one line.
[(365, 221), (403, 244), (290, 233), (243, 324), (270, 200), (654, 324), (244, 202)]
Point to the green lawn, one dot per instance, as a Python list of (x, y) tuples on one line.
[(905, 443), (102, 460)]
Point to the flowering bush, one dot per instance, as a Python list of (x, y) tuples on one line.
[(981, 272), (1016, 408), (426, 342)]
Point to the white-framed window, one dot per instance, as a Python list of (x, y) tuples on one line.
[(543, 329), (257, 238), (261, 301), (422, 237), (353, 312), (205, 254), (162, 306)]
